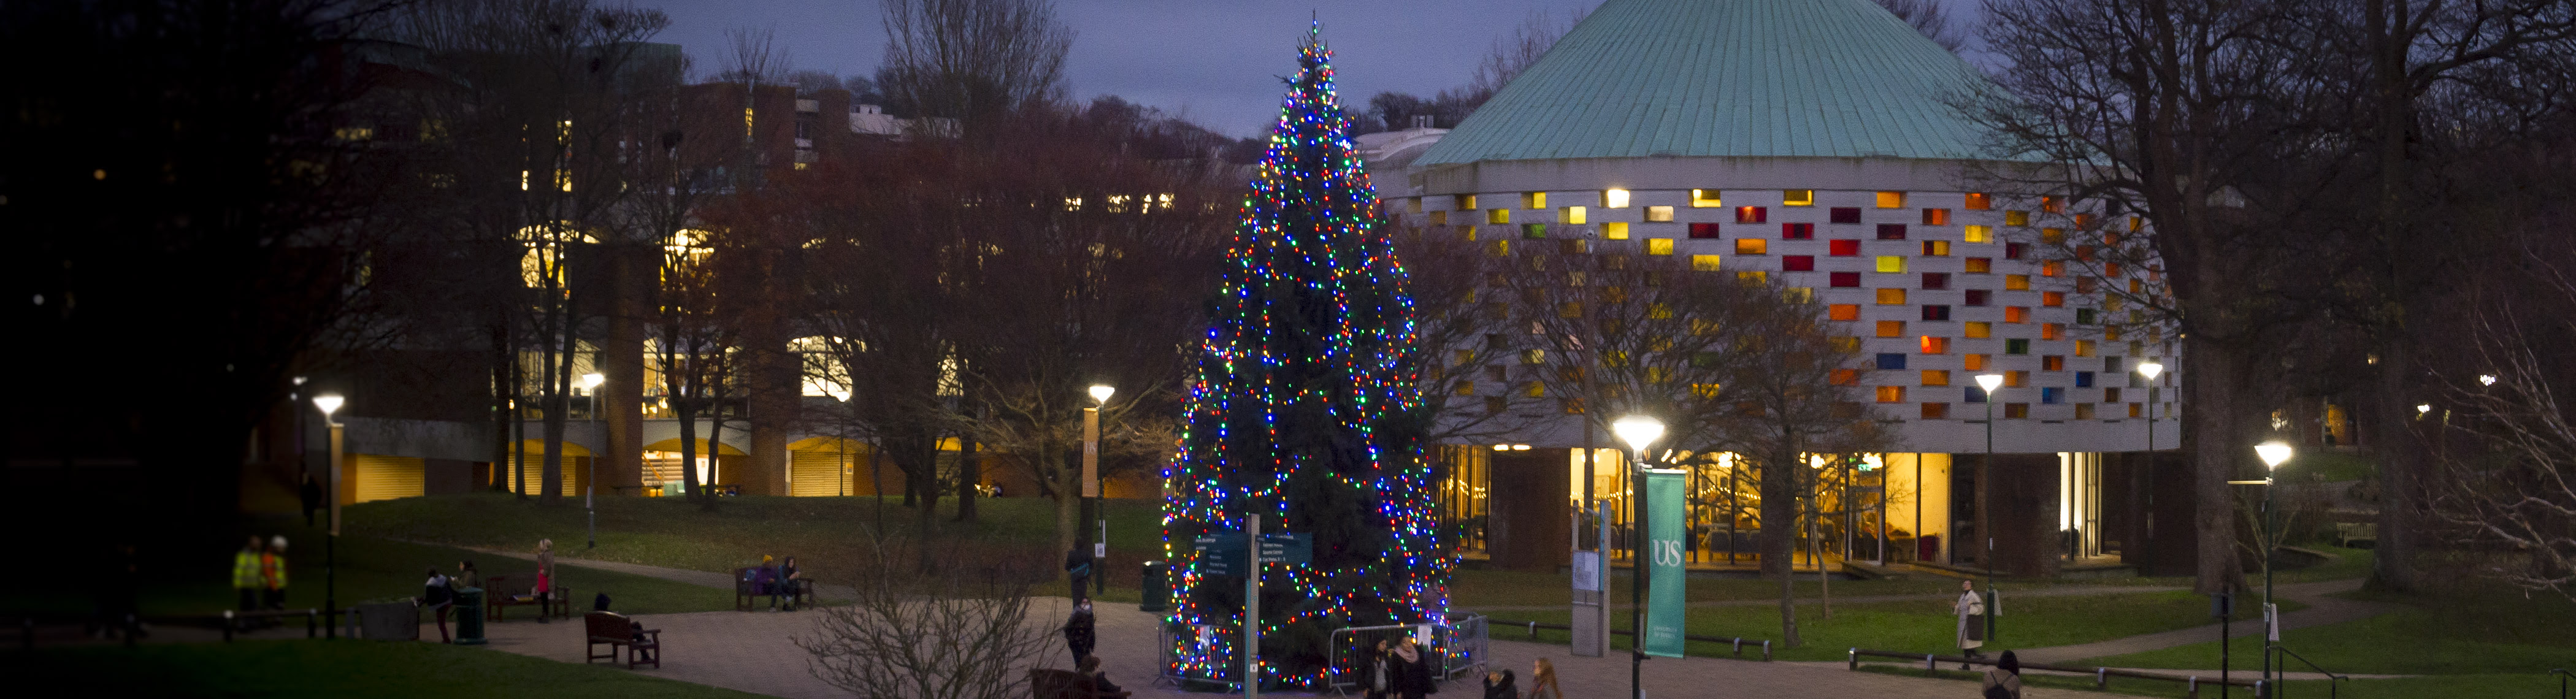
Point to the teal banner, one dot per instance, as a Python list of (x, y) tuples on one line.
[(1664, 598)]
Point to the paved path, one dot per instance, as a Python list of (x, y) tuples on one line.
[(716, 580), (2060, 591), (2322, 610)]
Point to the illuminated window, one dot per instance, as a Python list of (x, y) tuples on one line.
[(2018, 345), (1615, 230), (1843, 214), (1972, 362), (2051, 268), (2016, 314), (1463, 388), (2016, 218), (1936, 217), (2017, 378), (1797, 197), (2052, 395), (1797, 231), (1936, 280), (1891, 361), (1753, 277), (2014, 251), (1936, 312), (2016, 282), (1413, 204), (2084, 379), (1706, 199), (1936, 377), (2084, 348), (1703, 230), (1845, 377), (1978, 201), (1978, 329), (1980, 234), (1891, 200), (1498, 216), (1659, 246), (1936, 411), (1569, 309), (1891, 394), (2017, 411), (1440, 218), (1934, 345), (1751, 246), (2084, 411), (1570, 215), (1843, 311), (1462, 202), (1936, 248), (1704, 263), (1891, 328), (2054, 205), (1842, 248), (1659, 214), (1533, 231), (1614, 198), (1846, 279), (1752, 214), (1891, 231), (2052, 299), (1502, 248), (1891, 297), (2053, 362), (1533, 200), (1797, 263), (1978, 297), (2052, 331), (1891, 264), (1798, 294), (2052, 236), (1980, 265)]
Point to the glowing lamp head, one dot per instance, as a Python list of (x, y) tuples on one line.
[(1100, 394), (1638, 431), (1990, 382), (2151, 370), (2273, 453), (842, 395), (329, 403), (2422, 408), (2486, 379), (591, 381)]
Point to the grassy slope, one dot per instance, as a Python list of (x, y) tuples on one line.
[(1921, 626), (301, 668), (2408, 688), (2496, 634)]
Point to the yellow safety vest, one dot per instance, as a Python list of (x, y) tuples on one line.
[(246, 570), (273, 568)]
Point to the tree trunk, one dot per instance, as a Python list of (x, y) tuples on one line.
[(970, 473), (1779, 526), (715, 452), (688, 413), (2213, 392), (500, 409), (558, 403), (2401, 458)]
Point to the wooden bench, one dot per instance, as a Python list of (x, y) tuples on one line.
[(2348, 532), (744, 597), (616, 631), (556, 603), (1067, 684)]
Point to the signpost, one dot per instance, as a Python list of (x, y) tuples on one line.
[(1665, 599), (1227, 553)]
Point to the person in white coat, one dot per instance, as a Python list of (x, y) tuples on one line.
[(1971, 609)]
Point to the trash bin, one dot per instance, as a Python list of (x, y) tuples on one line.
[(469, 616), (1158, 589), (397, 620)]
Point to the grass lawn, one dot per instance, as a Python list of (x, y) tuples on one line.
[(2416, 641), (2028, 622), (370, 569), (302, 668), (2407, 688)]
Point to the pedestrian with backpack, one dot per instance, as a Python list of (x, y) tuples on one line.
[(2004, 681)]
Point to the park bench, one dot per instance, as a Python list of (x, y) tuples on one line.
[(2348, 532), (556, 603), (616, 631), (746, 594), (1067, 684), (235, 620)]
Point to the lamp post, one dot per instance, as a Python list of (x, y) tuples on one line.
[(330, 403), (847, 462), (1091, 483), (590, 480), (1638, 431), (2273, 453), (1985, 486), (2151, 369)]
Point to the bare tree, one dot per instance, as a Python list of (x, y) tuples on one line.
[(2503, 481), (975, 61), (960, 630), (1517, 51), (1929, 18)]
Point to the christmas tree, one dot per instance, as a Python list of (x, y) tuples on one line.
[(1303, 410)]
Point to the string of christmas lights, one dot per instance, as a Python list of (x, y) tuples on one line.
[(1302, 409)]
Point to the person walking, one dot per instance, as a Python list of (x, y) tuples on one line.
[(1971, 610), (440, 597), (272, 573), (1543, 681), (1077, 565), (545, 579), (1412, 671), (1501, 685), (247, 584), (311, 493), (2004, 681), (1377, 676), (1081, 633)]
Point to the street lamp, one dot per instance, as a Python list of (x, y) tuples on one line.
[(2273, 453), (590, 482), (1091, 488), (2151, 369), (1985, 487), (330, 403), (1638, 431)]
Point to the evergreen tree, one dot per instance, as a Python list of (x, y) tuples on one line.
[(1303, 410)]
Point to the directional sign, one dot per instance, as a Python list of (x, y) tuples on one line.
[(1292, 549), (1222, 553)]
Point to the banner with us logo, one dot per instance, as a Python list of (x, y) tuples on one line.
[(1664, 592)]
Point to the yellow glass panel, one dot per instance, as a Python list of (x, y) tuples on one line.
[(1891, 297), (2017, 282), (1979, 329), (1936, 377), (1614, 198), (1533, 200), (1570, 215), (1659, 214), (1659, 246), (1705, 198), (1891, 200), (2016, 218), (1798, 197), (1891, 264), (1498, 215), (1615, 230), (1704, 263), (1751, 246), (1891, 328), (1980, 234)]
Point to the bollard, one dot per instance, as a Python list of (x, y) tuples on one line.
[(228, 625), (2259, 690), (312, 622), (2191, 690), (1855, 659), (1929, 667), (1533, 630), (1739, 647), (2101, 678), (1766, 651)]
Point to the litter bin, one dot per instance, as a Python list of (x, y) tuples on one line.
[(1158, 588), (469, 616), (397, 620)]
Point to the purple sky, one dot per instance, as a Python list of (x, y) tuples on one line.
[(1212, 61)]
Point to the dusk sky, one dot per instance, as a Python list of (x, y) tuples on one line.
[(1212, 61)]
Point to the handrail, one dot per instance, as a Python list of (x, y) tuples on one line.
[(2101, 675), (2332, 689), (2563, 676), (1735, 641)]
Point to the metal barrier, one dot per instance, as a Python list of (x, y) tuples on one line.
[(2333, 685), (1737, 642), (1459, 642), (2562, 674), (2101, 675)]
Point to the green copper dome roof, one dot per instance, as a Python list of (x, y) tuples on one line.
[(1745, 78)]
